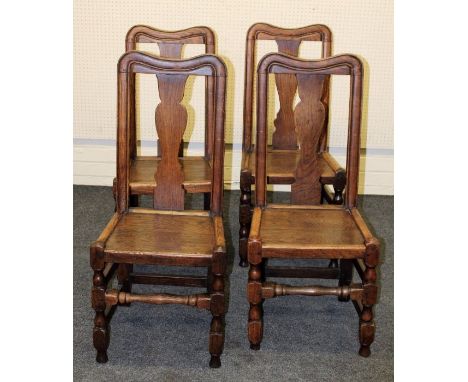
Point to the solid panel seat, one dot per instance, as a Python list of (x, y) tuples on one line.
[(197, 174), (148, 236), (310, 232), (282, 165)]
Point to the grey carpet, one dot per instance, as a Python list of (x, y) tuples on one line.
[(305, 338)]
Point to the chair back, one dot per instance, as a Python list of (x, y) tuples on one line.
[(288, 41), (310, 112), (171, 122)]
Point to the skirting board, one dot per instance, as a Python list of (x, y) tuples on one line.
[(94, 164)]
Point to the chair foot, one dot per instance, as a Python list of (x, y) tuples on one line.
[(101, 326), (215, 361), (216, 342), (366, 331), (364, 351), (255, 321), (101, 357), (366, 318)]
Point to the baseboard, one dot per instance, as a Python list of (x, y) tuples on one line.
[(94, 164)]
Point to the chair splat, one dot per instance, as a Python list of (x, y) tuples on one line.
[(309, 117), (171, 122)]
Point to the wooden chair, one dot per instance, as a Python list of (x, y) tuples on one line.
[(311, 231), (197, 170), (167, 234), (283, 155)]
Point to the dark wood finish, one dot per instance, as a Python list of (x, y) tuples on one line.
[(166, 234), (305, 230), (171, 45), (290, 158)]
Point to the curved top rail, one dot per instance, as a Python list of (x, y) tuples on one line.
[(194, 35), (283, 63), (202, 65), (263, 31)]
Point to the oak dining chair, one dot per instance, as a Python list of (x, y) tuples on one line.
[(166, 234), (303, 231), (283, 154), (197, 170)]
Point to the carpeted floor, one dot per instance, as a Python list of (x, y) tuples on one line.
[(305, 338)]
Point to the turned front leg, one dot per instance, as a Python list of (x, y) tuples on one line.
[(366, 319), (101, 329), (254, 286), (217, 308), (254, 291)]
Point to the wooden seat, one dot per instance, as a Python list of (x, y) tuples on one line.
[(305, 231), (150, 236), (326, 230), (197, 173), (283, 154), (167, 234)]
